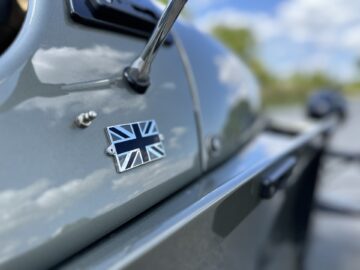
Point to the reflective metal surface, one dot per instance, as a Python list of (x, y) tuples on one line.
[(219, 221), (228, 96), (59, 190), (138, 74), (84, 120)]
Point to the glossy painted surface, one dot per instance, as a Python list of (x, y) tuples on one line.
[(228, 94), (219, 221), (59, 190)]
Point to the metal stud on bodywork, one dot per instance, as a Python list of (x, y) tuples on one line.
[(215, 146), (85, 119)]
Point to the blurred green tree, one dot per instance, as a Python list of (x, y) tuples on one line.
[(276, 90), (240, 40), (244, 44), (185, 13)]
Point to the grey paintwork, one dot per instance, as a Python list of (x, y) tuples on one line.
[(228, 94), (59, 191), (56, 179), (218, 222)]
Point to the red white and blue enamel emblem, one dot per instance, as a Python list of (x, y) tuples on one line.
[(135, 144)]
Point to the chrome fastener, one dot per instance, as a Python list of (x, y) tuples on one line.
[(215, 146), (85, 119)]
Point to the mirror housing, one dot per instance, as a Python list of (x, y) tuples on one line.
[(324, 103)]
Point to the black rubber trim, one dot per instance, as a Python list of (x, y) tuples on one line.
[(141, 26)]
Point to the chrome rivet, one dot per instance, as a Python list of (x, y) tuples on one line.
[(111, 150), (85, 119), (215, 146)]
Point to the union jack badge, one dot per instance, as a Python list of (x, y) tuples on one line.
[(135, 144)]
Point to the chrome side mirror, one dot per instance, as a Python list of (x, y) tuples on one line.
[(138, 73)]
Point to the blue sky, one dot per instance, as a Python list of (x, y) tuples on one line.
[(293, 35), (251, 6)]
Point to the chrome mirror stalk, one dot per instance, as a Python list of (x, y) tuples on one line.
[(138, 73)]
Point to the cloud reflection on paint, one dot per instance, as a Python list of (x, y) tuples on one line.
[(105, 101), (239, 80), (66, 65), (41, 203)]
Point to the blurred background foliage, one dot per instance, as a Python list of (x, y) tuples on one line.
[(277, 90)]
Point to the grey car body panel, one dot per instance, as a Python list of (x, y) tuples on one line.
[(217, 222), (56, 180), (60, 192), (228, 94)]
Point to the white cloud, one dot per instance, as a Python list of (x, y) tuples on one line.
[(319, 21), (199, 4), (39, 201), (264, 26), (66, 65), (351, 37), (325, 29), (239, 79), (103, 100), (177, 132)]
